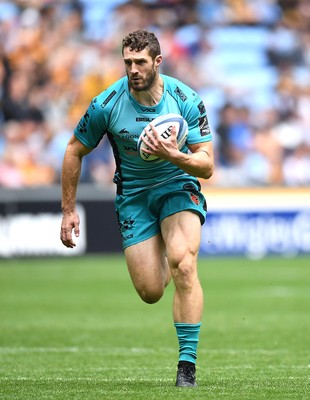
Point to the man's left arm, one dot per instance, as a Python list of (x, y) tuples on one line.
[(199, 162)]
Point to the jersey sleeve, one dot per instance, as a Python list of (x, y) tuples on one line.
[(192, 110), (92, 126), (196, 117)]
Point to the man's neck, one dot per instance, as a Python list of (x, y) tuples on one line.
[(152, 96)]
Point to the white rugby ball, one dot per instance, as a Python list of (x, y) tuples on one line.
[(163, 125)]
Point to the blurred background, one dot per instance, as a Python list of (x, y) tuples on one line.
[(249, 61), (69, 325)]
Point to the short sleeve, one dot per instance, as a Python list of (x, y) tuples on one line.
[(92, 126)]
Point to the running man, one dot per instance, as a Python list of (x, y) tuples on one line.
[(159, 205)]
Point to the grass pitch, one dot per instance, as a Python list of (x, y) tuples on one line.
[(76, 329)]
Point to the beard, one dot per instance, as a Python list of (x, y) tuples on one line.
[(143, 84)]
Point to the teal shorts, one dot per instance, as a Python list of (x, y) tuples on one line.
[(139, 215)]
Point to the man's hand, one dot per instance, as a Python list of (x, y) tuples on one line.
[(198, 162), (70, 221), (165, 149)]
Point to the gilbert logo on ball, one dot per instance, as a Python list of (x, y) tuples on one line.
[(163, 125)]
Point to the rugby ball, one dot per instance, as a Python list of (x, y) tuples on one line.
[(163, 125)]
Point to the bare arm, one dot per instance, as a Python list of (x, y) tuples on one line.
[(199, 163), (71, 171)]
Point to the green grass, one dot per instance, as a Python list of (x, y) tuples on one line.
[(76, 329)]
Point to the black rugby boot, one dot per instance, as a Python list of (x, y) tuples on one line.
[(186, 374)]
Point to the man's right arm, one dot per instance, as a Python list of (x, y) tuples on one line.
[(71, 171)]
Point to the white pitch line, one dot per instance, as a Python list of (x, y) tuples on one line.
[(133, 350), (101, 379)]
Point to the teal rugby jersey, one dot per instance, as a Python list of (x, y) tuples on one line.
[(115, 112)]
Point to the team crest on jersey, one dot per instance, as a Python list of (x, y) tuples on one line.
[(195, 199)]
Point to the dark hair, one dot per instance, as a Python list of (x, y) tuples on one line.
[(139, 40)]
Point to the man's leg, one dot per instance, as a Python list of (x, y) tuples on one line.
[(182, 233), (148, 268)]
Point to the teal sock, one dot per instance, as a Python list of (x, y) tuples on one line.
[(188, 341)]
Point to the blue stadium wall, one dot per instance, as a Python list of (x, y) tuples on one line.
[(249, 222)]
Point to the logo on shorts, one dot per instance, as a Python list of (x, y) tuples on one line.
[(126, 225), (195, 199)]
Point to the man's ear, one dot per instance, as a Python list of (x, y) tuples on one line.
[(158, 60)]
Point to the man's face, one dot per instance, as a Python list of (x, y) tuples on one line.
[(141, 69)]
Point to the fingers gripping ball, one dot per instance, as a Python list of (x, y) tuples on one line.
[(163, 125)]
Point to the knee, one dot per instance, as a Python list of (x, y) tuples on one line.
[(184, 272), (183, 269), (150, 295)]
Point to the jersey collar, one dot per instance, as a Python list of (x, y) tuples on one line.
[(142, 109)]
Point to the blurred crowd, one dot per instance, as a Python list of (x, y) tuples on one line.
[(249, 60)]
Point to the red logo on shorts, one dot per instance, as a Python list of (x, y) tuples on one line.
[(195, 199)]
